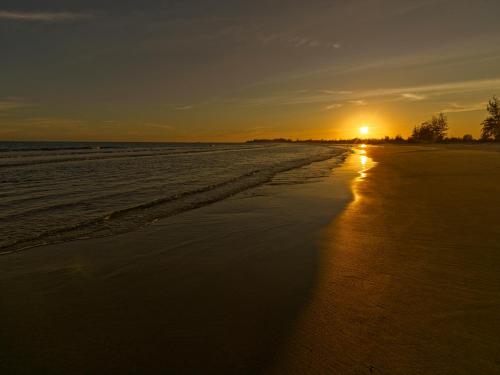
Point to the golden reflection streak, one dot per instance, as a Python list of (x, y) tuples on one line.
[(339, 254), (366, 163)]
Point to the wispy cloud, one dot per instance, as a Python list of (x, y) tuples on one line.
[(450, 56), (457, 108), (415, 5), (182, 108), (7, 104), (358, 102), (42, 16), (333, 92), (50, 122), (434, 89), (361, 97), (413, 97), (158, 126), (334, 106), (299, 41)]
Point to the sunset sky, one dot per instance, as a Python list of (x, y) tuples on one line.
[(230, 70)]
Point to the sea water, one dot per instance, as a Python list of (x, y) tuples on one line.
[(58, 191)]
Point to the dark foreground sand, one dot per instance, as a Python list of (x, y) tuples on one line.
[(403, 280), (214, 290)]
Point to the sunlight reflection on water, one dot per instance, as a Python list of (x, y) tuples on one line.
[(365, 163)]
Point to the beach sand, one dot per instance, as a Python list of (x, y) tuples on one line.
[(393, 271), (409, 273), (212, 290)]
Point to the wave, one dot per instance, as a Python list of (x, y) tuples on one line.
[(44, 152), (70, 146), (116, 155), (55, 148), (131, 218)]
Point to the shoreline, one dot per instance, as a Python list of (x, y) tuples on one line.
[(393, 270), (214, 289), (130, 218)]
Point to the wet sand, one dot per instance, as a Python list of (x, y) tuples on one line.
[(409, 273), (281, 279), (214, 290)]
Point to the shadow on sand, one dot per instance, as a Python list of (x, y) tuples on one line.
[(215, 290)]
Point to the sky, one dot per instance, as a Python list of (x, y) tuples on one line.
[(233, 70)]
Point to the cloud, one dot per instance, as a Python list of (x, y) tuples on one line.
[(50, 122), (158, 126), (42, 16), (361, 97), (298, 41), (7, 132), (358, 102), (414, 6), (332, 92), (457, 108), (182, 108), (471, 53), (413, 97), (434, 89), (334, 106), (12, 103)]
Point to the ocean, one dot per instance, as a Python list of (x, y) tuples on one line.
[(58, 191)]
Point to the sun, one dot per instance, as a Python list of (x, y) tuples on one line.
[(364, 130)]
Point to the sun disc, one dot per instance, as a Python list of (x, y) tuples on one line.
[(364, 130)]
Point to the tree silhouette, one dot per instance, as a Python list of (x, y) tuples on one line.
[(431, 131), (468, 138), (491, 126)]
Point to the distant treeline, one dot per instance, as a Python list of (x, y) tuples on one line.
[(431, 131), (372, 141)]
